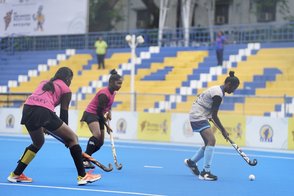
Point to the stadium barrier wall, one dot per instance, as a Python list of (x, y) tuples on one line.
[(246, 131)]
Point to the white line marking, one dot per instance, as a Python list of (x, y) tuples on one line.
[(153, 166), (290, 153), (81, 189)]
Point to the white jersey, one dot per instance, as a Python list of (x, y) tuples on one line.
[(201, 107)]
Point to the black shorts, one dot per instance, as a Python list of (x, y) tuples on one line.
[(35, 117), (89, 118)]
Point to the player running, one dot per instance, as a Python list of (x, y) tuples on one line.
[(38, 115), (95, 111), (204, 108)]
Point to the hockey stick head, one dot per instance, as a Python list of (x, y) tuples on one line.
[(119, 166), (109, 169), (253, 162), (100, 165)]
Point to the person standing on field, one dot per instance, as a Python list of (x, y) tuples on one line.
[(205, 108), (38, 115), (99, 107)]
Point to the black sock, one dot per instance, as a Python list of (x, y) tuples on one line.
[(76, 153), (92, 146)]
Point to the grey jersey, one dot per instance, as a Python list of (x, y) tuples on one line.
[(201, 107)]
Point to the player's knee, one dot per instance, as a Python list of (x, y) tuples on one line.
[(39, 143), (71, 142), (211, 141)]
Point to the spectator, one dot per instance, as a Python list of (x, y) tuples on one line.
[(220, 41), (101, 49)]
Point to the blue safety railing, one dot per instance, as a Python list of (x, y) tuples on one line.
[(271, 32)]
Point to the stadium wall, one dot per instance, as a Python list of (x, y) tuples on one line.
[(246, 131)]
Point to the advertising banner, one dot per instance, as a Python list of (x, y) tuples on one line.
[(235, 125), (181, 130), (42, 17), (124, 125), (10, 120), (154, 127), (291, 133), (266, 132)]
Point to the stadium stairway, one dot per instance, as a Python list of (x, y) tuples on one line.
[(277, 65), (205, 72), (182, 65), (81, 62), (75, 62), (20, 66), (260, 76), (148, 60)]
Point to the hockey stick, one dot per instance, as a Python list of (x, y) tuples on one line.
[(118, 166), (238, 149), (103, 167), (84, 155)]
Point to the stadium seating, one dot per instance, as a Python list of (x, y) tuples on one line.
[(168, 78), (19, 63)]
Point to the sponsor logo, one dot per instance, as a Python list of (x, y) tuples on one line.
[(266, 134), (39, 17), (7, 19), (10, 121), (154, 127), (121, 125)]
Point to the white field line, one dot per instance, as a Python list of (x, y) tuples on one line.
[(80, 189), (174, 149), (153, 166)]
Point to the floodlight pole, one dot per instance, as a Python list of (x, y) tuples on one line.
[(133, 41)]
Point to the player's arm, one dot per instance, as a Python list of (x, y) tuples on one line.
[(64, 106), (102, 104), (215, 107)]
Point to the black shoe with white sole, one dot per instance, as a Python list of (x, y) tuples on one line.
[(204, 175), (193, 166)]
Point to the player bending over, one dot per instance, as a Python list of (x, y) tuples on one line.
[(38, 114), (95, 111), (204, 108)]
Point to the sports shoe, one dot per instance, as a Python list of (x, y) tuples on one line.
[(204, 175), (193, 166), (88, 178), (88, 165), (21, 178)]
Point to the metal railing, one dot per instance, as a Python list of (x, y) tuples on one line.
[(269, 32)]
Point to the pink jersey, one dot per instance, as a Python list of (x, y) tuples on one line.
[(93, 105), (47, 99)]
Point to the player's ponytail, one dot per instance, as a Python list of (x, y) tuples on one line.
[(63, 73), (49, 86), (232, 79)]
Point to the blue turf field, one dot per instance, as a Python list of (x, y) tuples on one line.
[(148, 169)]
